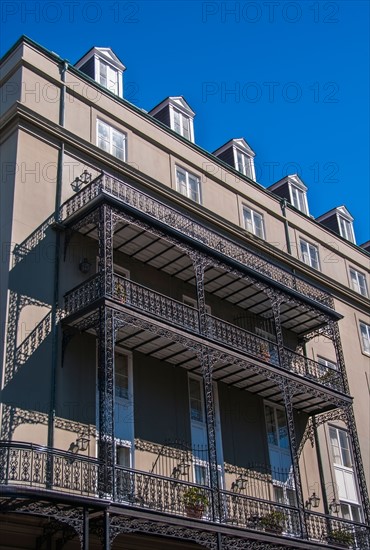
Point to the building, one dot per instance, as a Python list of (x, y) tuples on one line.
[(186, 354)]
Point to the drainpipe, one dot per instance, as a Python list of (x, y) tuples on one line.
[(320, 467), (283, 204), (54, 318)]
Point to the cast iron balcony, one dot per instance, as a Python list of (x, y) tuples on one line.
[(146, 301)]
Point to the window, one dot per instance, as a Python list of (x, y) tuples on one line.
[(188, 184), (365, 337), (244, 164), (346, 229), (277, 431), (253, 222), (111, 140), (121, 378), (298, 198), (108, 77), (358, 282), (196, 400), (340, 447), (181, 124), (310, 254), (327, 363), (343, 465)]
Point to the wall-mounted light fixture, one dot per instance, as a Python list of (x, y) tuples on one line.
[(313, 501), (334, 506), (81, 444), (239, 484), (81, 180), (181, 469), (84, 266)]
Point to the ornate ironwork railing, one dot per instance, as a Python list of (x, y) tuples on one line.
[(242, 340), (262, 515), (337, 532), (310, 369), (154, 303), (163, 494), (82, 295), (176, 313), (170, 217), (28, 465)]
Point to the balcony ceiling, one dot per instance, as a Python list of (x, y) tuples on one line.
[(150, 249), (240, 374)]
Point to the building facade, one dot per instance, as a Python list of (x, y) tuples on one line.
[(185, 353)]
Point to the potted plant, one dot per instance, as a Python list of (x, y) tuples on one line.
[(340, 537), (195, 501), (273, 522), (264, 352)]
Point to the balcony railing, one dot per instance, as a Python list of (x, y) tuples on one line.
[(27, 465), (127, 194), (171, 311), (153, 303)]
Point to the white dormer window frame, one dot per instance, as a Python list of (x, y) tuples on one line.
[(244, 163), (346, 228), (298, 197), (181, 123), (108, 76)]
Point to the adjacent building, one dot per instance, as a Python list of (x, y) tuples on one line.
[(185, 353)]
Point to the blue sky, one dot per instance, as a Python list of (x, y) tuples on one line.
[(292, 78)]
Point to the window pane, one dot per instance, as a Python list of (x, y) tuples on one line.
[(185, 127), (365, 335), (335, 446), (196, 408), (193, 188), (270, 426), (200, 474), (346, 454), (258, 222), (121, 376), (282, 429), (176, 122), (123, 456)]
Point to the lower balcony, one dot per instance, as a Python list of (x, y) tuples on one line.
[(56, 472)]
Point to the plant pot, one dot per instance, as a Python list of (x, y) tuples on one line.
[(276, 530), (194, 510), (337, 543)]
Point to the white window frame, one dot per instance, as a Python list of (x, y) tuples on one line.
[(298, 198), (358, 281), (250, 225), (346, 228), (246, 166), (339, 466), (112, 76), (365, 337), (183, 117), (110, 145), (307, 256), (185, 188), (327, 363)]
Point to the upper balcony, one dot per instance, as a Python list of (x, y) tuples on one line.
[(167, 218)]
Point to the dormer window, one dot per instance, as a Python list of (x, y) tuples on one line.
[(108, 77), (104, 67), (245, 164), (181, 124), (293, 190), (238, 154), (176, 113), (346, 229), (340, 221)]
